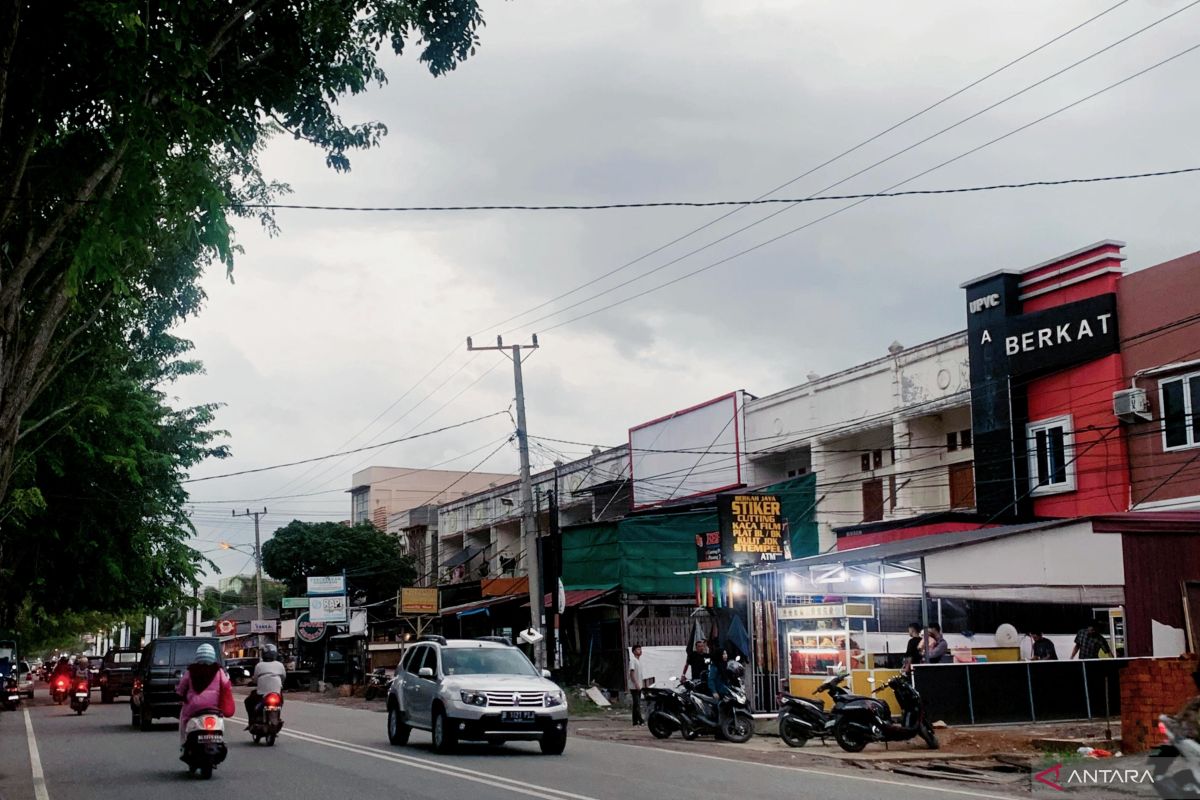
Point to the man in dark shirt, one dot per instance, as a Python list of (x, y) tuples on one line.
[(912, 654), (1043, 649), (697, 664), (1089, 643)]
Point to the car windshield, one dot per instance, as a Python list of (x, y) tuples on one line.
[(485, 661)]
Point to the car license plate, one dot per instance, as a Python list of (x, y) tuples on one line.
[(81, 695), (209, 738), (13, 698), (517, 716)]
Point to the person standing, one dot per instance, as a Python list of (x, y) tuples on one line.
[(1089, 643), (697, 664), (636, 681), (1043, 648), (912, 653), (939, 648)]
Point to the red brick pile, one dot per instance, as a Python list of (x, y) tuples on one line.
[(1150, 687)]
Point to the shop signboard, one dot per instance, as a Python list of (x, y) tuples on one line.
[(708, 550), (753, 529), (295, 602), (226, 627), (328, 609), (327, 584), (419, 600), (828, 611), (262, 626), (308, 630)]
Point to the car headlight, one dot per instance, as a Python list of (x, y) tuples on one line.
[(555, 699), (473, 698)]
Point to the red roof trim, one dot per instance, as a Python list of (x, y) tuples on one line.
[(1148, 522)]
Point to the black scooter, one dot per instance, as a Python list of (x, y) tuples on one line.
[(804, 718), (863, 720), (81, 696), (726, 716), (267, 721), (667, 713), (10, 698)]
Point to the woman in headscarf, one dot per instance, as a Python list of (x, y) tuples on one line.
[(203, 686)]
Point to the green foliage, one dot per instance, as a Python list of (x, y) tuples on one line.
[(372, 560), (130, 137), (214, 603)]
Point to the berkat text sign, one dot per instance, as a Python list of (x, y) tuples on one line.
[(753, 530)]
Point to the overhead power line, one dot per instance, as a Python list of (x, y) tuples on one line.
[(713, 203), (346, 452)]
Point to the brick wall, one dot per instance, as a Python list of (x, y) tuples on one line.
[(1150, 687)]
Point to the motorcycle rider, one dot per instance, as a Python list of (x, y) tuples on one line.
[(81, 671), (203, 686), (61, 669), (268, 677), (716, 672)]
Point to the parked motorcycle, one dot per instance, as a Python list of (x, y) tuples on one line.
[(377, 684), (204, 745), (863, 720), (1177, 746), (81, 697), (11, 695), (693, 714), (804, 718), (267, 721), (667, 712)]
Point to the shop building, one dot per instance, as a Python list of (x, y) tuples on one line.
[(379, 492)]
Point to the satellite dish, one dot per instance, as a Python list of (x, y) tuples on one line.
[(1007, 636)]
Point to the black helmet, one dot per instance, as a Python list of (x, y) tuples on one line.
[(269, 652)]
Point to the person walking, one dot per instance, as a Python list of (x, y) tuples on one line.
[(1089, 643), (636, 681), (1043, 648)]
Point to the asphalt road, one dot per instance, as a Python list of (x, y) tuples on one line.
[(331, 752)]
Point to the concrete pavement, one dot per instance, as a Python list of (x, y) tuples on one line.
[(327, 751)]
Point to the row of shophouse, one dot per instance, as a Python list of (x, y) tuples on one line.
[(1035, 471)]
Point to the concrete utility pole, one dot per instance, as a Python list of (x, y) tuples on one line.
[(528, 526), (257, 554)]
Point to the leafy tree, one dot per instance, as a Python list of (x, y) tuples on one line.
[(130, 135), (214, 602), (373, 560)]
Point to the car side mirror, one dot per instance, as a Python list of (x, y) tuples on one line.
[(545, 673), (425, 672)]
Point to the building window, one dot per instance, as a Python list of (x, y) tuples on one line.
[(866, 462), (872, 493), (1051, 456), (964, 439), (1180, 401), (358, 508), (877, 459), (951, 442)]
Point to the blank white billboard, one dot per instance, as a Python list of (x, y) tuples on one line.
[(690, 452)]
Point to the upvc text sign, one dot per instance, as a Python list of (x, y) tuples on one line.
[(753, 529), (328, 609), (1053, 339)]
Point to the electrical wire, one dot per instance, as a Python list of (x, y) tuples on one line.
[(791, 201), (335, 455)]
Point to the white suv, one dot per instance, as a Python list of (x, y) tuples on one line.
[(477, 690)]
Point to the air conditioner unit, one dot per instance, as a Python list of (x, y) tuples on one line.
[(1130, 405)]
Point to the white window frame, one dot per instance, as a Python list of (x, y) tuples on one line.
[(1189, 413), (1067, 424)]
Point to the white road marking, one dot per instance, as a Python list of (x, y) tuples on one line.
[(487, 779), (827, 773), (35, 761)]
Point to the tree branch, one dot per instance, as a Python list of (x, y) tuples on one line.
[(10, 43), (47, 418)]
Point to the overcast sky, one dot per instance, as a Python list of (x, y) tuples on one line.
[(627, 100)]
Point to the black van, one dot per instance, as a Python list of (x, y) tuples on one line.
[(162, 665)]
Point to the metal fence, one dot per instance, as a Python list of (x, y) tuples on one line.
[(1021, 691)]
